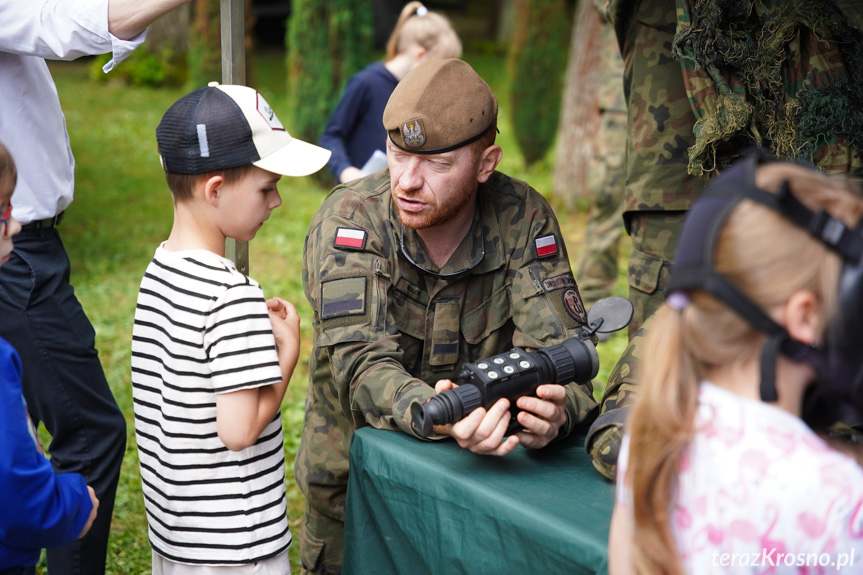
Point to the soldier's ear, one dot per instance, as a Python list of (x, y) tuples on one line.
[(488, 161)]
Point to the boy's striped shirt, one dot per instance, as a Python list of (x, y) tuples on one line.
[(202, 328)]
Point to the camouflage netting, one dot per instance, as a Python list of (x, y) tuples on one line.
[(786, 75)]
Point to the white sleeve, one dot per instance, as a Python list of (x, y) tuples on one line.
[(61, 30), (239, 341)]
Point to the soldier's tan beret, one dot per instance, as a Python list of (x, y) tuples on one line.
[(439, 106)]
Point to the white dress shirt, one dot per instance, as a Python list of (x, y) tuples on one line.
[(32, 124)]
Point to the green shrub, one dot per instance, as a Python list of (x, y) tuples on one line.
[(327, 42), (143, 68), (537, 65)]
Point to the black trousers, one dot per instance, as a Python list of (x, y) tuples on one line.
[(64, 384), (19, 571)]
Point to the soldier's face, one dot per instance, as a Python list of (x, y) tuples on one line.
[(431, 190)]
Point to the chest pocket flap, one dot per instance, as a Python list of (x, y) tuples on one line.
[(491, 315)]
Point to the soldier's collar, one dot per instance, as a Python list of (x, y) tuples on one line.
[(489, 231), (482, 244), (467, 256)]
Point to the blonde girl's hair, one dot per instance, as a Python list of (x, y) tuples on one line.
[(432, 31), (761, 253)]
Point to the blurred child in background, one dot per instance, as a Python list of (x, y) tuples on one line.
[(355, 131)]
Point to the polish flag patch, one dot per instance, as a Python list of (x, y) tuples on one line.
[(350, 238), (546, 246)]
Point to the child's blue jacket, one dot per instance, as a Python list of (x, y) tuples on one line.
[(39, 508)]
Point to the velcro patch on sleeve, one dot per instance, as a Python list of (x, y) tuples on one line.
[(343, 297), (546, 246), (350, 238), (562, 281)]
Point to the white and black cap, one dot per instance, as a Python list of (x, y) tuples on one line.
[(222, 127)]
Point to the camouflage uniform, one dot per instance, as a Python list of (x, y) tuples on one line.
[(658, 188), (678, 113), (597, 264), (385, 331)]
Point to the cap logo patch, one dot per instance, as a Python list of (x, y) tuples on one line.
[(574, 307), (546, 246), (269, 115), (414, 133), (350, 239)]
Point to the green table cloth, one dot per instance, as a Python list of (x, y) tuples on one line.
[(433, 508)]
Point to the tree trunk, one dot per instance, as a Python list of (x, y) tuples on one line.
[(579, 119), (205, 46), (171, 31), (205, 50)]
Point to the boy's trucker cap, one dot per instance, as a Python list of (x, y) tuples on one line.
[(221, 127)]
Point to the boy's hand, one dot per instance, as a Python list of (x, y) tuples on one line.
[(286, 327), (93, 512)]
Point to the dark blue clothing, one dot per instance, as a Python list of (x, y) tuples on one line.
[(64, 384), (356, 128), (40, 508)]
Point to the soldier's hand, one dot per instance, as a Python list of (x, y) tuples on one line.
[(482, 430), (542, 416)]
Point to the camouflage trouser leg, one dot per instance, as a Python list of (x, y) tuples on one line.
[(654, 239), (606, 432), (596, 271), (321, 544)]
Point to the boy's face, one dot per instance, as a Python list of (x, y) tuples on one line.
[(247, 203), (10, 226)]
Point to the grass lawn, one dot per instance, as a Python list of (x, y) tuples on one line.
[(122, 210)]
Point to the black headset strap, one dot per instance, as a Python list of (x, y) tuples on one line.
[(848, 242), (835, 234), (769, 353)]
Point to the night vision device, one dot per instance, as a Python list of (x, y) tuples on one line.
[(517, 372)]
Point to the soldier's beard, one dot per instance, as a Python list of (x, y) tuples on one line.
[(433, 214)]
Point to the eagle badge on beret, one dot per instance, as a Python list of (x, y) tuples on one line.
[(414, 133)]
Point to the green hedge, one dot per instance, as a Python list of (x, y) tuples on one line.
[(327, 42), (537, 63)]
